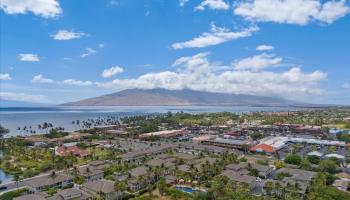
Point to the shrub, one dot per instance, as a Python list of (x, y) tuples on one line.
[(279, 164), (262, 162), (328, 166), (13, 194), (314, 160), (293, 159)]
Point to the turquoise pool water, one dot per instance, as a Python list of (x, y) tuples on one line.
[(186, 189)]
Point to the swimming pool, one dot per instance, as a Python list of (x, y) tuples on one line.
[(186, 189)]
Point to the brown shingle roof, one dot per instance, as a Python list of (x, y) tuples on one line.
[(30, 197), (46, 180), (104, 186), (236, 177)]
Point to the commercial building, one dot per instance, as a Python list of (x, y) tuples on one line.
[(228, 143), (271, 144), (165, 134)]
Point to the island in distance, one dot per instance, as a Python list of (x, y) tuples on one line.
[(164, 97)]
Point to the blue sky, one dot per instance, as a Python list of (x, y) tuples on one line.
[(58, 51)]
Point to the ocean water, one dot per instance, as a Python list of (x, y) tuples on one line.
[(14, 117)]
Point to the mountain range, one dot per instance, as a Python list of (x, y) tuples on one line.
[(163, 97)]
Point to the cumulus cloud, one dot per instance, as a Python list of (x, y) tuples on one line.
[(264, 47), (5, 77), (67, 35), (299, 12), (40, 79), (198, 73), (43, 8), (111, 71), (88, 52), (332, 10), (245, 76), (212, 4), (10, 96), (183, 2), (77, 82), (257, 62), (217, 35), (346, 85), (28, 57)]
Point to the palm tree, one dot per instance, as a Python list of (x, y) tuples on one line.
[(150, 190), (3, 131), (269, 187), (120, 186), (161, 185), (16, 178)]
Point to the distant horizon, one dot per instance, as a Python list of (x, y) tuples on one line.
[(19, 104), (64, 115)]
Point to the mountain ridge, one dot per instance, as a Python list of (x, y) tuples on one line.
[(164, 97)]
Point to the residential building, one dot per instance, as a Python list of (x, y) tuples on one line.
[(138, 156), (90, 173), (102, 187), (30, 197), (236, 177), (71, 194), (39, 183), (141, 177), (71, 150)]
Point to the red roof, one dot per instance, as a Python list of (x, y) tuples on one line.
[(72, 150), (263, 147)]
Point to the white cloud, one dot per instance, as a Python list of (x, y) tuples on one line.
[(40, 79), (113, 2), (213, 4), (299, 12), (101, 46), (10, 96), (43, 8), (76, 82), (257, 62), (88, 52), (28, 57), (332, 10), (5, 77), (346, 85), (111, 71), (264, 47), (183, 2), (198, 73), (247, 76), (217, 35), (146, 65), (67, 35)]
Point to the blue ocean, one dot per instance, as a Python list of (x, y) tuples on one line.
[(15, 118)]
